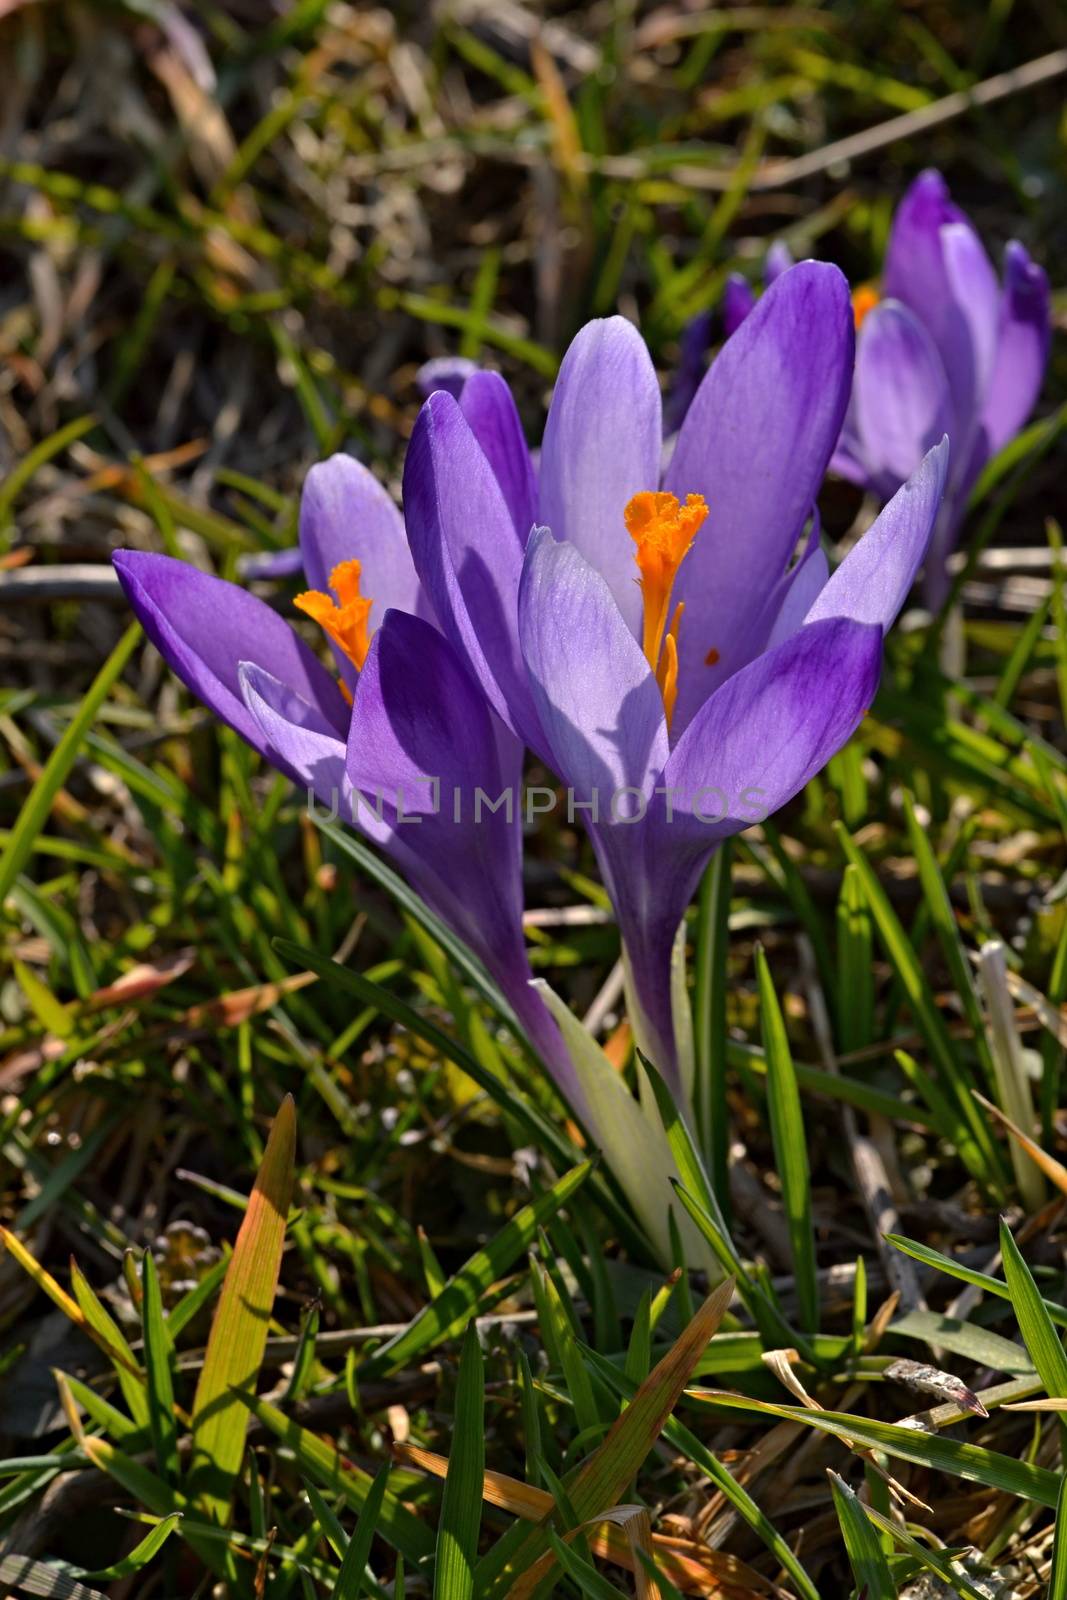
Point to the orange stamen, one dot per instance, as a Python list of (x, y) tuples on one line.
[(663, 530), (345, 618), (667, 671), (864, 300)]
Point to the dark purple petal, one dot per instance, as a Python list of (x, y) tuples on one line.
[(602, 445), (900, 401), (737, 302), (345, 515), (756, 444), (598, 704), (692, 364), (914, 269), (205, 628), (875, 578), (448, 373), (298, 738), (424, 751), (1024, 332), (487, 403), (467, 555)]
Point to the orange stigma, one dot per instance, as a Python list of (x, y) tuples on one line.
[(345, 618), (864, 300), (663, 530)]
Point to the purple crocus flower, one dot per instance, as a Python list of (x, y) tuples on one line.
[(400, 745), (947, 348), (942, 347), (684, 697)]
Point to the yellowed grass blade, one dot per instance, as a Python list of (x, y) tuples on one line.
[(1054, 1170), (59, 1296), (242, 1318)]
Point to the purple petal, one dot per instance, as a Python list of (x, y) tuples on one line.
[(756, 444), (737, 301), (602, 446), (267, 564), (779, 259), (298, 737), (597, 701), (770, 728), (467, 555), (798, 592), (875, 578), (487, 403), (346, 514), (205, 628), (936, 266), (423, 749), (974, 286), (900, 401), (914, 269), (1024, 332), (449, 373), (846, 460), (749, 749)]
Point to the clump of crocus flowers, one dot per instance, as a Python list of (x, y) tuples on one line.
[(943, 347), (667, 639)]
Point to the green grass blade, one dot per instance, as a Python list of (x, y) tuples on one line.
[(972, 1135), (790, 1145), (943, 920), (96, 1314), (971, 1462), (957, 1581), (239, 1330), (141, 1554), (32, 462), (956, 1269), (871, 1570), (1057, 1587), (458, 1300), (592, 1584), (1035, 1324), (461, 1504), (157, 1356), (354, 1562), (709, 1022), (34, 814), (855, 984), (320, 1460)]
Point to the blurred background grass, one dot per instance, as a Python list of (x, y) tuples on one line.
[(229, 236)]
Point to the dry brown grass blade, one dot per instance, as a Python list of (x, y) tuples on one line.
[(688, 1564), (230, 1009), (147, 978)]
